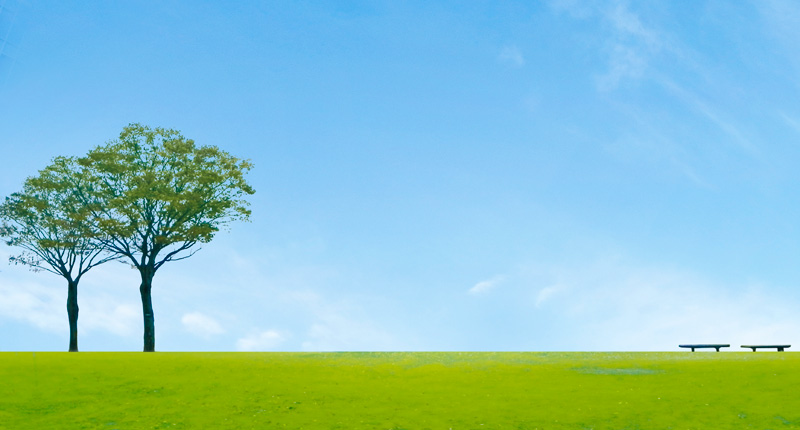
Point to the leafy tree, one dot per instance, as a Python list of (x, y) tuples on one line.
[(156, 195), (48, 221)]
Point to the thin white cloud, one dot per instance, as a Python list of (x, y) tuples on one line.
[(630, 47), (511, 55), (201, 325), (312, 319), (39, 306), (711, 114), (261, 341), (43, 305), (108, 314), (645, 143), (613, 306), (625, 62), (110, 302), (628, 23), (792, 122), (546, 294), (628, 42), (340, 333), (579, 9), (484, 287), (634, 45), (782, 19), (341, 326)]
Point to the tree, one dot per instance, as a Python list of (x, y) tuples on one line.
[(48, 221), (156, 195)]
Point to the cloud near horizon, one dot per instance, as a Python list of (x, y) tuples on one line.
[(41, 302), (201, 325), (266, 340), (614, 306)]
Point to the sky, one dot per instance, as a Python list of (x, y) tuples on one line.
[(554, 175)]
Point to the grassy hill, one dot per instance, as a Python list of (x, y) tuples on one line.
[(437, 390)]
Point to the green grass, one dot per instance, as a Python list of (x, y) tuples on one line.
[(680, 390)]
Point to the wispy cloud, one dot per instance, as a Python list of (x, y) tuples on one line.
[(647, 144), (634, 45), (339, 333), (580, 9), (546, 294), (711, 114), (610, 305), (628, 23), (511, 55), (341, 325), (625, 62), (630, 46), (34, 304), (8, 12), (302, 298), (641, 55), (41, 302), (108, 314), (791, 121), (484, 287), (781, 20), (201, 325), (267, 340)]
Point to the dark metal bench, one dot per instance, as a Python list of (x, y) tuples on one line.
[(716, 346), (778, 347)]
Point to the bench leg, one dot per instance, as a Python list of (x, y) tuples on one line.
[(754, 350), (717, 349), (780, 349), (692, 349)]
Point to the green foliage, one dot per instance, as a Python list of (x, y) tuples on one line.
[(154, 189), (49, 222), (681, 390), (154, 195), (150, 190)]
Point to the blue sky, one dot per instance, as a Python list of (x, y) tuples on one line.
[(531, 175)]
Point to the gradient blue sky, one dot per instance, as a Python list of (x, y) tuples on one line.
[(521, 175)]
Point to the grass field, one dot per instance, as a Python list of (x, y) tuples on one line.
[(680, 390)]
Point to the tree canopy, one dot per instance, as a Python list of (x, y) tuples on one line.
[(154, 189), (148, 197), (48, 220), (155, 195)]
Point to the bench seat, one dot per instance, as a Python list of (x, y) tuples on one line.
[(716, 346), (778, 347)]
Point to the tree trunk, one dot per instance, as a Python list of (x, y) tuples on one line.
[(72, 314), (147, 310)]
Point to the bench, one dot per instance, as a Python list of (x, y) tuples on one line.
[(716, 346), (754, 347)]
